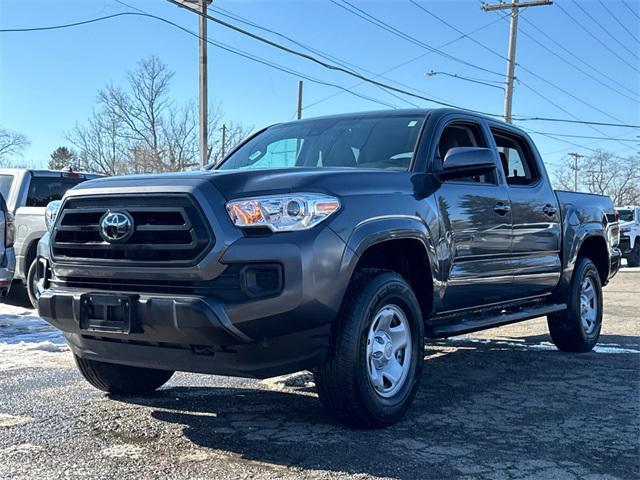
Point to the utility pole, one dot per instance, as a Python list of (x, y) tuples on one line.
[(299, 99), (204, 138), (575, 168), (224, 140), (200, 7), (515, 7)]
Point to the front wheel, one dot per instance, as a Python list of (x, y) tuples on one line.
[(372, 373), (35, 283), (577, 329), (121, 379)]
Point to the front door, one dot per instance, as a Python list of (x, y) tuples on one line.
[(476, 215)]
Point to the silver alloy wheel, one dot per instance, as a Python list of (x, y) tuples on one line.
[(588, 306), (389, 350)]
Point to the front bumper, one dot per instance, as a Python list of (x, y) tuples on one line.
[(208, 333), (185, 333)]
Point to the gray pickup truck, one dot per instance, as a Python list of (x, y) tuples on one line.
[(27, 193), (333, 244)]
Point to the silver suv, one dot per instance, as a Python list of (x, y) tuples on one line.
[(27, 193)]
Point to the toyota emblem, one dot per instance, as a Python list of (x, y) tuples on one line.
[(116, 227)]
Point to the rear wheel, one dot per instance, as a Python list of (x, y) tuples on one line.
[(373, 370), (633, 259), (577, 329), (121, 379)]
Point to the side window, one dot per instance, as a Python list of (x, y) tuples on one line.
[(517, 159), (461, 134)]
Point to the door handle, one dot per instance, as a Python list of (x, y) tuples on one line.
[(549, 209), (501, 208)]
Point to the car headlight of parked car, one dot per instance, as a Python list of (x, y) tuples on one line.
[(282, 213), (51, 213)]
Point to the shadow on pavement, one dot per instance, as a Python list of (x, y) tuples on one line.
[(18, 296), (482, 410)]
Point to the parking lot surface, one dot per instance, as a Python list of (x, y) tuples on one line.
[(502, 404)]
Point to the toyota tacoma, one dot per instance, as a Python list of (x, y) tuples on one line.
[(334, 245)]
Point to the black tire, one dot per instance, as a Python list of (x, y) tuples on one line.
[(633, 259), (567, 330), (121, 379), (32, 290), (343, 381)]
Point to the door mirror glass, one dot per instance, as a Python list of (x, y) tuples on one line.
[(461, 162)]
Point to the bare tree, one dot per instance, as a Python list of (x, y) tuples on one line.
[(101, 145), (605, 174), (139, 129), (12, 144)]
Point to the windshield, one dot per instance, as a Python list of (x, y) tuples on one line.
[(5, 185), (382, 142), (626, 215)]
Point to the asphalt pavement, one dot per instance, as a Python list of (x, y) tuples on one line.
[(502, 404)]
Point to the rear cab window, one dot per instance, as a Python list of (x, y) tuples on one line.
[(516, 158), (45, 189)]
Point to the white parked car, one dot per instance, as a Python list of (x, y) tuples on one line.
[(630, 234)]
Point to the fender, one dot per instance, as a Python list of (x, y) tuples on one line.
[(574, 235), (376, 230)]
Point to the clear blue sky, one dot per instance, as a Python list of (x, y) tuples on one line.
[(49, 80)]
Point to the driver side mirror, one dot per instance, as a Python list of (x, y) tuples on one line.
[(461, 162)]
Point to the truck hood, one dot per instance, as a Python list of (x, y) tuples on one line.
[(245, 183)]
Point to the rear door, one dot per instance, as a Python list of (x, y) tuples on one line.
[(475, 216), (535, 213)]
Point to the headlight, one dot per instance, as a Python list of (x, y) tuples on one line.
[(51, 212), (282, 213)]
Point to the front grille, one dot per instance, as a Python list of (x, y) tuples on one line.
[(167, 229)]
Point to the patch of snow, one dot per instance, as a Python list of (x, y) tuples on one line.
[(546, 346), (32, 355), (22, 449), (20, 326), (7, 420), (123, 451)]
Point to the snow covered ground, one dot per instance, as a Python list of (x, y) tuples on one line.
[(27, 340)]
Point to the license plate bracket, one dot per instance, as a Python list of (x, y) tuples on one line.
[(109, 313)]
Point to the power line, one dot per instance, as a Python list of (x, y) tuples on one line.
[(633, 54), (618, 21), (581, 60), (75, 24), (307, 47), (590, 33), (527, 70), (406, 62), (309, 57), (486, 83), (631, 9), (394, 31), (589, 137), (563, 90)]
